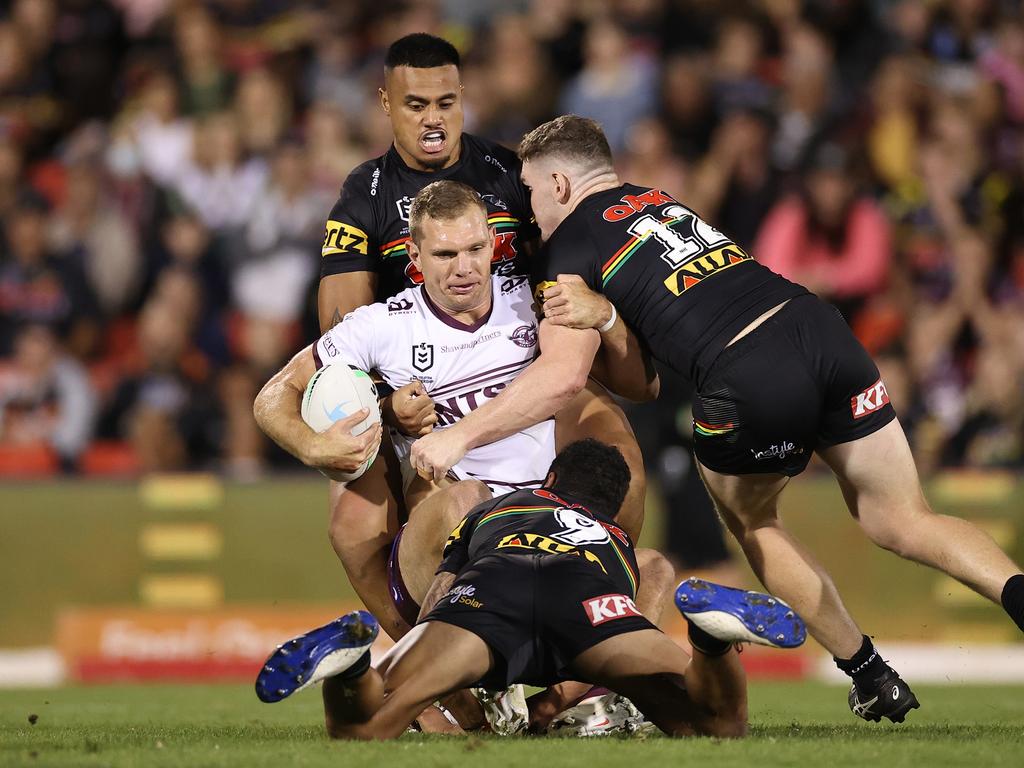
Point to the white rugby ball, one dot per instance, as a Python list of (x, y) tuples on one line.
[(335, 392)]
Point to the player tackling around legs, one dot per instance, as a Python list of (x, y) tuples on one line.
[(535, 587)]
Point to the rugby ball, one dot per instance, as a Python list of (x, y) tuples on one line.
[(335, 392)]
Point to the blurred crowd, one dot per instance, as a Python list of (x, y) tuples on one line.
[(166, 169)]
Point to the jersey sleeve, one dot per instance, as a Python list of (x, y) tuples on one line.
[(456, 549), (353, 340), (350, 240), (569, 252)]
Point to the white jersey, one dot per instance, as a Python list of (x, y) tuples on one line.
[(407, 337)]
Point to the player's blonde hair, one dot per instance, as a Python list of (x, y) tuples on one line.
[(569, 137), (444, 200)]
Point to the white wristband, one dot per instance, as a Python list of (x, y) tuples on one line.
[(611, 321)]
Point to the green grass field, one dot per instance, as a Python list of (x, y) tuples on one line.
[(798, 724)]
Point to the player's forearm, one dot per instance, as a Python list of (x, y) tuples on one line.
[(439, 588), (277, 409), (624, 365), (543, 389)]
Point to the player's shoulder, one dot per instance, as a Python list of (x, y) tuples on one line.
[(364, 179), (491, 153), (358, 191)]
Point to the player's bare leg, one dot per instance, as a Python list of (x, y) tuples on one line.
[(434, 512), (705, 696), (363, 525), (881, 487), (594, 413), (431, 661), (749, 506)]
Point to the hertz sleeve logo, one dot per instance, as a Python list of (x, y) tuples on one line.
[(343, 238), (692, 272)]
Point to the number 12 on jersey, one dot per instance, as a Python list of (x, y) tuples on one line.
[(678, 245)]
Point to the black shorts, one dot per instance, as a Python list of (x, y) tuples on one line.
[(537, 612), (798, 382)]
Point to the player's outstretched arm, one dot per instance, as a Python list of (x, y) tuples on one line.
[(277, 409), (543, 389), (622, 364), (342, 293)]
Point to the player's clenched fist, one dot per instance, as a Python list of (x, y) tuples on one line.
[(571, 303), (410, 410), (338, 449), (434, 454)]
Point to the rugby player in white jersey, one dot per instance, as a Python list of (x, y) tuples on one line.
[(464, 335)]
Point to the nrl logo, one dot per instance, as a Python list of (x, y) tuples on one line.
[(422, 356), (404, 204)]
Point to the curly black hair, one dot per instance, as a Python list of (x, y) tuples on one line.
[(593, 473)]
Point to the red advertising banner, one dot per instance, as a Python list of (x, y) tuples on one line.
[(117, 644)]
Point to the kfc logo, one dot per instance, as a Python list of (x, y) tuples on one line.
[(609, 607), (869, 401)]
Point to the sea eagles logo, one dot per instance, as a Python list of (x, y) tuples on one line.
[(404, 204), (422, 356), (399, 305), (525, 336)]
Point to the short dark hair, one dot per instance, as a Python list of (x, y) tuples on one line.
[(570, 137), (443, 200), (421, 51), (593, 473)]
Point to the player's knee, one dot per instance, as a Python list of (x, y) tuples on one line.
[(465, 495), (897, 530)]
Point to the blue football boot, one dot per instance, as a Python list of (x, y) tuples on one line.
[(320, 653), (739, 616)]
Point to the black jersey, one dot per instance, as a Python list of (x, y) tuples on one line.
[(540, 521), (684, 287), (369, 225)]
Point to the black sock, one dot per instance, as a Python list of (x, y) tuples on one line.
[(866, 666), (358, 669), (705, 643), (1013, 599)]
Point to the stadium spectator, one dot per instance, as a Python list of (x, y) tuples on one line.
[(45, 397), (91, 224), (205, 82), (39, 286), (165, 407), (829, 237), (616, 86)]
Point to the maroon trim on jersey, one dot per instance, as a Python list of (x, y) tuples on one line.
[(451, 322), (316, 356)]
